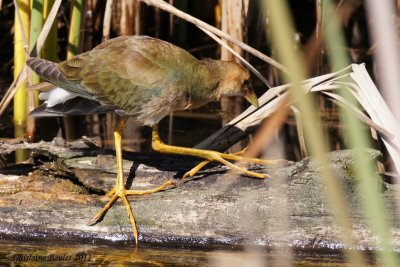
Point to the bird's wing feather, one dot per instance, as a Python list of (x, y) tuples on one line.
[(129, 72), (75, 106), (49, 71)]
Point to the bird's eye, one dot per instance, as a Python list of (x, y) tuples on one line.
[(246, 84)]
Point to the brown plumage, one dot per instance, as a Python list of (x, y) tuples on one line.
[(144, 78)]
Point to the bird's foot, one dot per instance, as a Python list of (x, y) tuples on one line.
[(242, 154), (223, 158), (116, 193)]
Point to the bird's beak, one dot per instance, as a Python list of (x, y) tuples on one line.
[(251, 97)]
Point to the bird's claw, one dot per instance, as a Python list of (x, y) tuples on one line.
[(220, 157), (196, 169), (116, 193)]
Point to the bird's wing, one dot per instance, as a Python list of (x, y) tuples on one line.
[(129, 72)]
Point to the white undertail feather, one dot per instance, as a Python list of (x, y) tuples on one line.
[(56, 96)]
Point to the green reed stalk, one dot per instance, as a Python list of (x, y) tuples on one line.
[(20, 98), (282, 38), (50, 46), (75, 28), (367, 178), (72, 50)]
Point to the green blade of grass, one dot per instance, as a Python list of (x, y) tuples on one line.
[(281, 35), (374, 208)]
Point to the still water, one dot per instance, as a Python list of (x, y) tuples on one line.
[(30, 254)]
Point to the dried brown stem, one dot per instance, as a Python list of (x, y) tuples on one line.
[(167, 7)]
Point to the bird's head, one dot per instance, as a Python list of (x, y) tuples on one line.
[(234, 80)]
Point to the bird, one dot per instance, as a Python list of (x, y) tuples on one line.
[(145, 79)]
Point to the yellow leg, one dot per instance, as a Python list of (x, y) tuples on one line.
[(209, 155), (196, 169), (119, 190), (201, 165)]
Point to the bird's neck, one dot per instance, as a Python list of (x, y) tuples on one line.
[(201, 81), (214, 67), (214, 72)]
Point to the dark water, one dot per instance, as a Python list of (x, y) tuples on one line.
[(24, 254)]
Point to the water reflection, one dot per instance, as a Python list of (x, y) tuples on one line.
[(24, 254)]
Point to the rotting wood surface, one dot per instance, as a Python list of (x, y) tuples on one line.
[(56, 194)]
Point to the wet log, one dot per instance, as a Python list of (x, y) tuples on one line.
[(55, 194)]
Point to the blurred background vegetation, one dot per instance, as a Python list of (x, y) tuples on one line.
[(79, 27), (294, 38)]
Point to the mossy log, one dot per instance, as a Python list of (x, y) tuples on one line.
[(60, 190)]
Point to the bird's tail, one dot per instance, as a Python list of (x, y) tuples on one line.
[(74, 100), (49, 71), (46, 69), (74, 106)]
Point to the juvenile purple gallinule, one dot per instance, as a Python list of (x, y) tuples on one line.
[(143, 78)]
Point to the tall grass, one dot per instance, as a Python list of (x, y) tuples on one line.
[(20, 98), (49, 50), (35, 28), (74, 36), (294, 71), (372, 203), (36, 25), (73, 48), (281, 28), (374, 208)]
